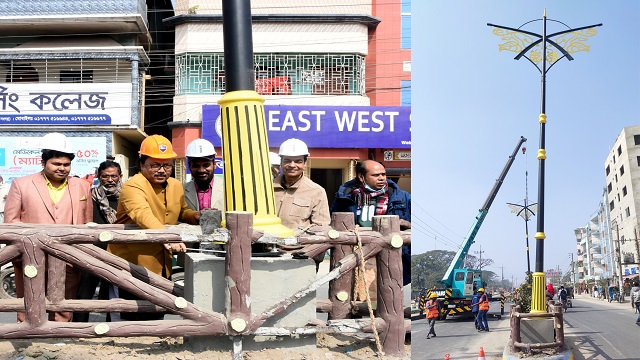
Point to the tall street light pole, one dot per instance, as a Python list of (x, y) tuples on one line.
[(566, 42)]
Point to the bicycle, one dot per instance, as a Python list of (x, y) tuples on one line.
[(565, 304)]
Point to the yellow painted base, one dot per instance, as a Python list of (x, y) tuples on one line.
[(538, 291)]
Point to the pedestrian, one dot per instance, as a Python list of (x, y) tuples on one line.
[(432, 314), (300, 202), (50, 197), (371, 193), (483, 308), (635, 299), (105, 199), (474, 308), (203, 192), (152, 199)]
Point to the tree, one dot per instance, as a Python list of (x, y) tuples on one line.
[(428, 268)]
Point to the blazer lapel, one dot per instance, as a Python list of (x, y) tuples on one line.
[(217, 192), (191, 195), (43, 191), (72, 188)]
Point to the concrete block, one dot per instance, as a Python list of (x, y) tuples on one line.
[(272, 280), (537, 331)]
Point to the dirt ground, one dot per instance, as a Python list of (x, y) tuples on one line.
[(329, 346)]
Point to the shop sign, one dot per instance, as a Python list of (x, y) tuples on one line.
[(21, 156), (326, 126), (65, 104)]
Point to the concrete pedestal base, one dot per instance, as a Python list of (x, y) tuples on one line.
[(537, 331), (272, 279)]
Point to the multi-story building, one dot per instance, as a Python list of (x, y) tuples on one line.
[(622, 169), (80, 68), (595, 259), (335, 74)]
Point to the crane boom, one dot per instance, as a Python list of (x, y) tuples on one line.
[(456, 263)]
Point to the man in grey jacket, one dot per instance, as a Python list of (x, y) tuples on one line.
[(203, 192), (635, 299)]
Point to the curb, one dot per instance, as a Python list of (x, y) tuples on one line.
[(562, 355)]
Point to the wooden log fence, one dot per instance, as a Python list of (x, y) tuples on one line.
[(47, 249), (515, 341)]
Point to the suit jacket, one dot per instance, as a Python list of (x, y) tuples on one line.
[(150, 208), (217, 195), (28, 201)]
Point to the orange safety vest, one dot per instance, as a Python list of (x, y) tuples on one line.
[(484, 302), (432, 311)]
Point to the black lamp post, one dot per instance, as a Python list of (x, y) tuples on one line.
[(536, 51)]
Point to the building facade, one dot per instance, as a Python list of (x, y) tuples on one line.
[(80, 68), (333, 74), (622, 169)]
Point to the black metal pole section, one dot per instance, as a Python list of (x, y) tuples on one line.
[(238, 45)]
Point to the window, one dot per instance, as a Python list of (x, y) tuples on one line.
[(608, 169), (627, 212), (460, 276), (624, 191), (76, 76), (636, 139), (405, 93), (616, 177), (609, 188), (22, 73), (620, 150), (611, 206), (621, 170), (405, 24), (638, 160)]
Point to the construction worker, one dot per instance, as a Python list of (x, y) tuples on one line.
[(274, 160), (299, 201), (203, 192), (432, 314), (475, 308), (50, 197), (483, 305), (152, 199)]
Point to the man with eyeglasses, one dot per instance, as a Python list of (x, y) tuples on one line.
[(152, 199), (105, 198)]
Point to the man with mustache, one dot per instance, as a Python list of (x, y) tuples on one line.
[(152, 199), (50, 197), (203, 192), (105, 198), (371, 193)]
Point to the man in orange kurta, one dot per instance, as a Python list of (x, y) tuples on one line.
[(152, 199)]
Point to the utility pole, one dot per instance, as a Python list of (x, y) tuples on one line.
[(480, 252), (573, 272), (619, 255)]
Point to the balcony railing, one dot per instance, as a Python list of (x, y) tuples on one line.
[(276, 74)]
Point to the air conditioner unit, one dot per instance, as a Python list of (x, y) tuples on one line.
[(124, 164)]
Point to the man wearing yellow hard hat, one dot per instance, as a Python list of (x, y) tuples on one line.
[(432, 314), (152, 199)]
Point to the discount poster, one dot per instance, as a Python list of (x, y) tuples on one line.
[(21, 156)]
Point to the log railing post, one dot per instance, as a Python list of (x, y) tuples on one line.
[(340, 289), (558, 324), (238, 271), (389, 278), (34, 270)]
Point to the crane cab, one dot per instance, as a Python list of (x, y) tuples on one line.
[(465, 283)]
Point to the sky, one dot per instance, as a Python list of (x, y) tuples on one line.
[(472, 102)]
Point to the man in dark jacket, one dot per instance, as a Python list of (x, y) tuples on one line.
[(371, 193)]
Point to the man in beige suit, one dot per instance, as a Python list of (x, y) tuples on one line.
[(50, 197)]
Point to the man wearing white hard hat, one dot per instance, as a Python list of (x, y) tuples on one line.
[(50, 197), (204, 191), (299, 201)]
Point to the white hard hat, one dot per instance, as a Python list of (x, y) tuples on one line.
[(56, 141), (201, 148), (294, 147), (274, 159)]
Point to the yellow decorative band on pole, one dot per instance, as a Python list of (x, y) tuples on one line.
[(540, 236), (542, 154), (247, 173), (542, 119), (538, 302)]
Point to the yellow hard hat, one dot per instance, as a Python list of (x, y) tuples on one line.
[(433, 296), (481, 290), (158, 147)]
